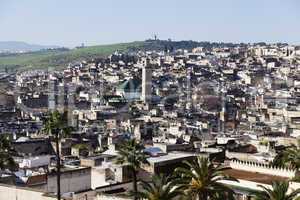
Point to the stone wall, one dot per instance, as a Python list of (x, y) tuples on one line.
[(262, 168), (75, 180)]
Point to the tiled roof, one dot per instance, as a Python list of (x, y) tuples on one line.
[(130, 85), (36, 180)]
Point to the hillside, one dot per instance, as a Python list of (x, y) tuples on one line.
[(60, 57)]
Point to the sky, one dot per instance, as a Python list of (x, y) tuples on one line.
[(72, 22)]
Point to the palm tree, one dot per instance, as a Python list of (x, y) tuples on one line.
[(57, 126), (6, 159), (200, 180), (131, 153), (288, 158), (160, 187), (279, 191)]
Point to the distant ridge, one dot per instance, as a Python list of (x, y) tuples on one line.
[(17, 46), (59, 58)]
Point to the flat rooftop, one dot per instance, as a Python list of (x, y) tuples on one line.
[(254, 177), (170, 156), (98, 157)]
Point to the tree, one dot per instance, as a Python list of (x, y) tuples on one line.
[(131, 153), (279, 191), (200, 180), (57, 125), (6, 159), (160, 187), (288, 158)]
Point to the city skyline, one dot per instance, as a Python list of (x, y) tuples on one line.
[(180, 100), (70, 24)]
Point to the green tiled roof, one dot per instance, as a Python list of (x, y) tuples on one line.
[(130, 85)]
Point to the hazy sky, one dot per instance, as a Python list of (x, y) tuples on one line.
[(71, 22)]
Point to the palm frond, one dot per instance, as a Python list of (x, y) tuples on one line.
[(201, 178)]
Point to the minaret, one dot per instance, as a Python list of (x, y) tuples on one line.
[(146, 81), (51, 96), (222, 113), (189, 102)]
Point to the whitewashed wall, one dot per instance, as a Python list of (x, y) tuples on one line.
[(260, 168)]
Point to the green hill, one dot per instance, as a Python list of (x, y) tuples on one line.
[(61, 57)]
